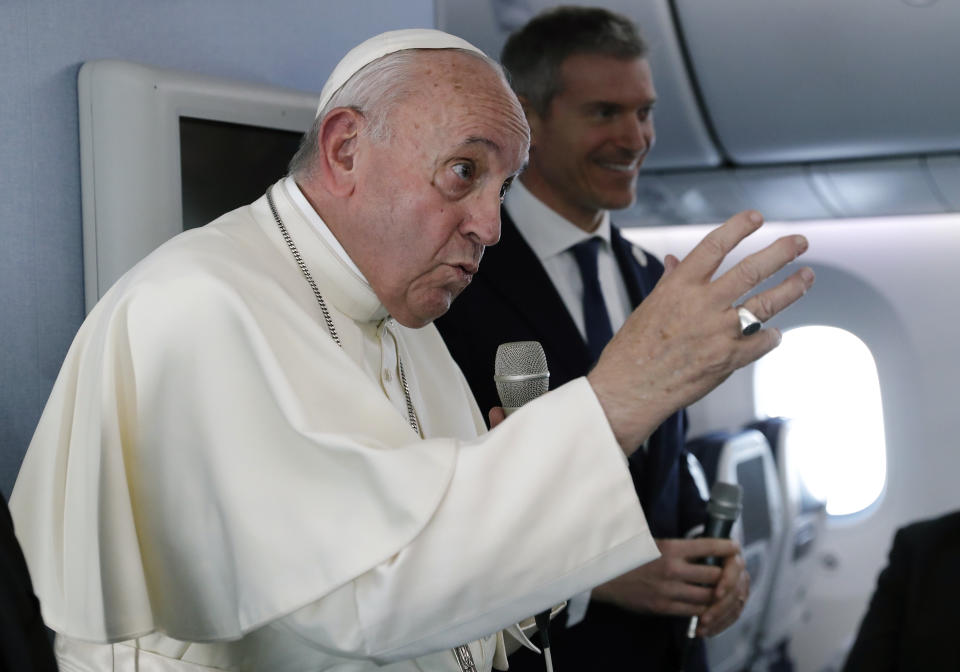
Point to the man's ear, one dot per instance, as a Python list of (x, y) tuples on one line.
[(338, 144)]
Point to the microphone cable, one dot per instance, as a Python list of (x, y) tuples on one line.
[(543, 625)]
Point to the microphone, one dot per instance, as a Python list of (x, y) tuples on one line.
[(520, 372), (723, 509)]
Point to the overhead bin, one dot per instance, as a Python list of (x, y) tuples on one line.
[(700, 197), (821, 80), (784, 193), (683, 140), (909, 186), (879, 188), (695, 197), (945, 173)]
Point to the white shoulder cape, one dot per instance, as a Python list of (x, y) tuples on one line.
[(210, 461)]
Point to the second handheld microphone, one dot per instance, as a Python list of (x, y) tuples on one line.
[(723, 509)]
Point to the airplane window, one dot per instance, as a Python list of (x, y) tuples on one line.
[(825, 379)]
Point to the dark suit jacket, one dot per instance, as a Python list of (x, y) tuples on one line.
[(911, 621), (24, 645), (513, 299)]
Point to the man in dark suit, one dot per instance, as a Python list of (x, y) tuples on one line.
[(912, 616), (563, 275)]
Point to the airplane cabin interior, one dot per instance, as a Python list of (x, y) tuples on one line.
[(835, 120)]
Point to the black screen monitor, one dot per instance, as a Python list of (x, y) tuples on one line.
[(225, 165)]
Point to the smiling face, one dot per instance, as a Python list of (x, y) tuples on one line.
[(427, 199), (586, 150)]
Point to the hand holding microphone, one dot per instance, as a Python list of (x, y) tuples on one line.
[(734, 586), (723, 509)]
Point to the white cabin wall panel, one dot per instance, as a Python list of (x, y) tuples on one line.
[(28, 328), (821, 80), (292, 43), (682, 137)]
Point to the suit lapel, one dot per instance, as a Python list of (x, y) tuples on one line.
[(637, 278)]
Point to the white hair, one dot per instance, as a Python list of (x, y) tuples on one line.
[(373, 91)]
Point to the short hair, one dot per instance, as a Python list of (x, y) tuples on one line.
[(374, 91), (534, 54)]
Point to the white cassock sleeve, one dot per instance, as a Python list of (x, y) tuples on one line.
[(540, 509), (211, 462)]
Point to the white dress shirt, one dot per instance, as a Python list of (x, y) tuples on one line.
[(551, 237)]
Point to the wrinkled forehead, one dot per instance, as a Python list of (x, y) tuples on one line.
[(458, 73), (467, 89), (461, 99)]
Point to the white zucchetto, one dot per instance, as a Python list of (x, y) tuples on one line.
[(381, 45)]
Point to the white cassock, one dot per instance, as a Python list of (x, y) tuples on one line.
[(216, 485)]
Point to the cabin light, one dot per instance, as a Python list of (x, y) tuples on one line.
[(693, 201), (825, 379)]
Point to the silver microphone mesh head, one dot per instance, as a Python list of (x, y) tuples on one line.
[(725, 500), (520, 372)]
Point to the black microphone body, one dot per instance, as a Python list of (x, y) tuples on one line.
[(717, 528), (723, 509)]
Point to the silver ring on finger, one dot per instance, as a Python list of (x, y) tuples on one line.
[(749, 323)]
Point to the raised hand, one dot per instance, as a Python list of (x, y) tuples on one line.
[(685, 338)]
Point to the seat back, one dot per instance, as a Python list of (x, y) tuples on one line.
[(804, 517), (745, 458)]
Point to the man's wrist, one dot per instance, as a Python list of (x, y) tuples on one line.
[(631, 424)]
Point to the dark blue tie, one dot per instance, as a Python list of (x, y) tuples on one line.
[(595, 316)]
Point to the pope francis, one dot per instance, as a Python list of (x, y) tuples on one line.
[(258, 454)]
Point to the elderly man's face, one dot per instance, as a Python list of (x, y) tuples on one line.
[(430, 195), (598, 129)]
